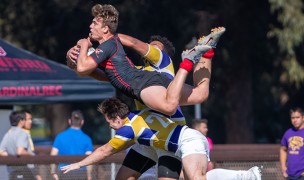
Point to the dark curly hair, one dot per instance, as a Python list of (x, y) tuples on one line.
[(108, 13), (114, 107), (168, 46)]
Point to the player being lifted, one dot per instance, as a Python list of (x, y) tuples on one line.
[(152, 88)]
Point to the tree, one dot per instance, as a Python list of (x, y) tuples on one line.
[(257, 69), (290, 34)]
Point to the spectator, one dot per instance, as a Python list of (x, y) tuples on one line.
[(27, 128), (16, 143), (73, 141), (201, 125), (292, 149)]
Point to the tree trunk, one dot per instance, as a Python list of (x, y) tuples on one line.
[(57, 115), (238, 122), (238, 67)]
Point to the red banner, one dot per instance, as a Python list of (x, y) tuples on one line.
[(26, 65), (13, 91)]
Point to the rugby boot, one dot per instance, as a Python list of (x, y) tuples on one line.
[(213, 38), (195, 53)]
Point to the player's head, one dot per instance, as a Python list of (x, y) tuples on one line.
[(201, 125), (76, 119), (114, 111), (297, 118), (16, 117), (107, 14), (163, 44)]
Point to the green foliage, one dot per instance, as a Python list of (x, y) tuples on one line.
[(47, 28), (249, 76), (290, 34), (294, 70)]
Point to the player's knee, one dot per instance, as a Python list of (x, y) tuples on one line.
[(204, 96)]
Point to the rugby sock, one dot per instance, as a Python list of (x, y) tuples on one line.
[(186, 64), (218, 173), (209, 54)]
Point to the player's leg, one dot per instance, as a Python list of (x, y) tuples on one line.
[(125, 173), (199, 92), (166, 100), (195, 166), (137, 161), (169, 165), (253, 173), (179, 93), (194, 150)]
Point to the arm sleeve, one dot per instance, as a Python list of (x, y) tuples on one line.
[(284, 141), (160, 61), (210, 142), (104, 51), (56, 143), (122, 137), (154, 55), (2, 145), (23, 140), (89, 145)]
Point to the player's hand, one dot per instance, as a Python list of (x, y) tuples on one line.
[(84, 42), (90, 41), (71, 57), (70, 167), (73, 53)]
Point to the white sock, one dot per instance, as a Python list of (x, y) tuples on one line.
[(225, 174)]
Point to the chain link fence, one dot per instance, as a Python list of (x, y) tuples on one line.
[(235, 157)]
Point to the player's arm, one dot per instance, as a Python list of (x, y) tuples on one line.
[(139, 46), (71, 57), (85, 64), (283, 160), (151, 53), (98, 155), (89, 168)]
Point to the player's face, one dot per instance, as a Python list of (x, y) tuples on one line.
[(157, 44), (28, 121), (97, 29), (297, 120), (114, 123)]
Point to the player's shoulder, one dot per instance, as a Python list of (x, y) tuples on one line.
[(111, 41), (125, 131)]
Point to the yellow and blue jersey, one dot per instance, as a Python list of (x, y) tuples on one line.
[(157, 60), (148, 128)]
